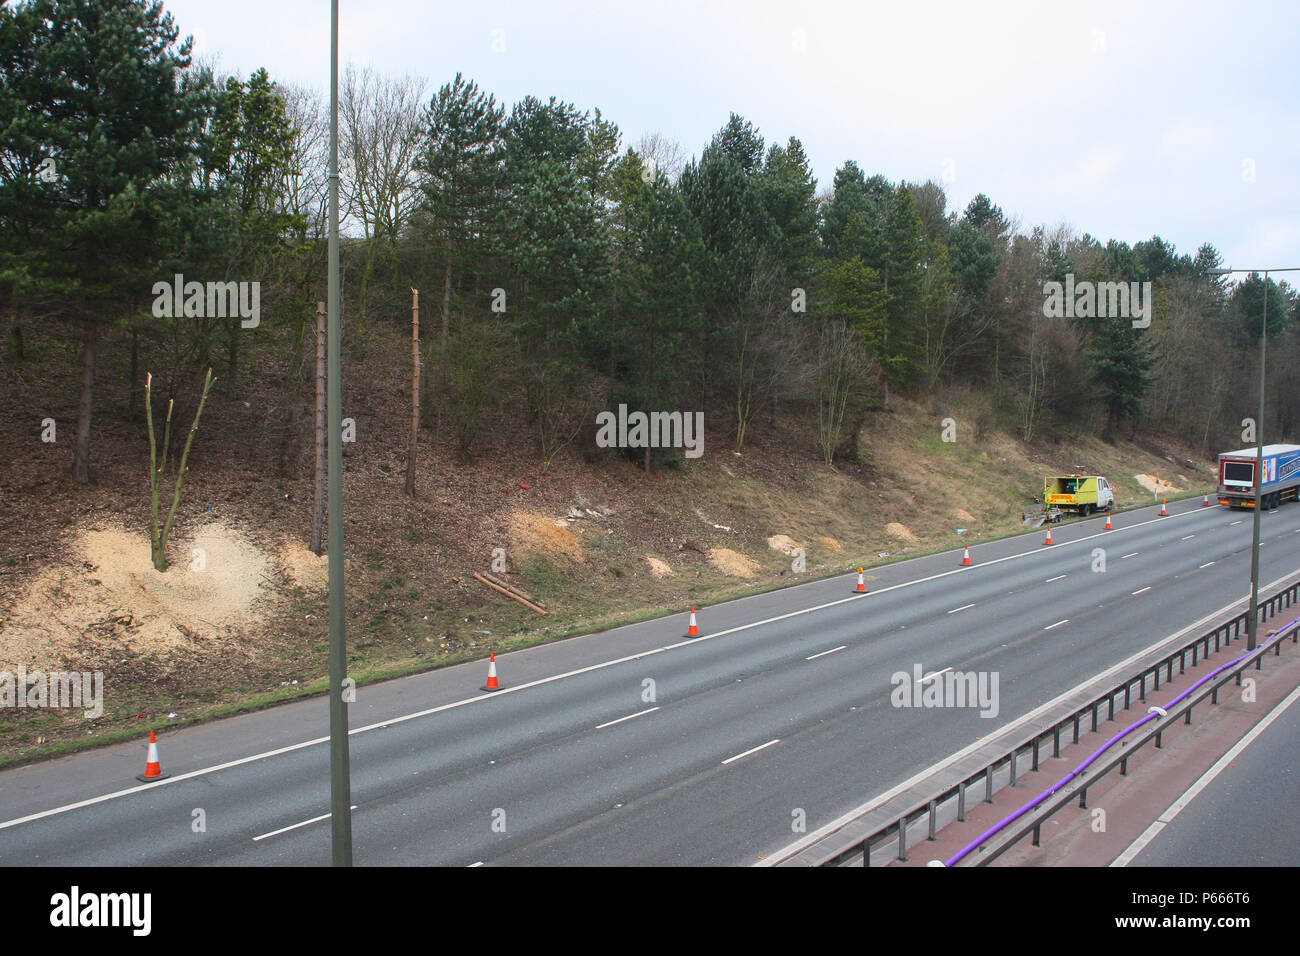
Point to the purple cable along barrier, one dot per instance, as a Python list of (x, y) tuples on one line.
[(1151, 715)]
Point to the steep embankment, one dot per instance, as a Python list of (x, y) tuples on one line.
[(240, 616)]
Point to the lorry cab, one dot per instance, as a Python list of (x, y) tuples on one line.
[(1279, 477)]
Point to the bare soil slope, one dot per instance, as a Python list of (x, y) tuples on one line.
[(599, 541)]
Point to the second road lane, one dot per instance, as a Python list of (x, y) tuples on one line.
[(707, 751)]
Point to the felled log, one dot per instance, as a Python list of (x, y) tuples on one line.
[(514, 597)]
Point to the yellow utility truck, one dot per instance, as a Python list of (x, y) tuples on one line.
[(1082, 494)]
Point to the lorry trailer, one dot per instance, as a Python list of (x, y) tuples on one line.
[(1280, 476)]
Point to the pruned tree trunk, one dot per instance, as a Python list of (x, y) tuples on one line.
[(446, 302), (233, 328), (15, 327), (288, 450), (135, 371), (446, 328), (158, 536), (415, 390), (318, 505), (89, 360), (16, 341)]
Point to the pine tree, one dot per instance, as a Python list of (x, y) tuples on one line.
[(1120, 354), (662, 256), (789, 195), (552, 236), (903, 282), (460, 174), (91, 238), (740, 262), (849, 196)]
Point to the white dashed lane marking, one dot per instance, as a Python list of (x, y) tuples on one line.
[(639, 713), (752, 750)]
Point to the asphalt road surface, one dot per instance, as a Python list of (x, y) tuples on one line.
[(1243, 812), (779, 715)]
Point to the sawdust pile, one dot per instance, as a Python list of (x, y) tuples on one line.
[(961, 514), (108, 598), (304, 569), (783, 543), (530, 531), (831, 543), (1153, 484), (733, 563), (902, 532), (658, 568)]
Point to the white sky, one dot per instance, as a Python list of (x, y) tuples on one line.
[(1122, 119)]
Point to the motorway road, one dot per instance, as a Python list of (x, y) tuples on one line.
[(570, 765), (1243, 810)]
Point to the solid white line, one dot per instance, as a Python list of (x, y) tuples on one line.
[(1013, 728), (1177, 807), (824, 653), (290, 748), (1131, 555), (1208, 563), (1057, 624), (752, 750), (1140, 590), (639, 713), (962, 608), (1057, 578), (927, 677), (1186, 536), (304, 823)]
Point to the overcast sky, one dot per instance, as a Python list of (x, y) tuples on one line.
[(1123, 119)]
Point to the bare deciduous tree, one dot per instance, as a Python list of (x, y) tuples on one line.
[(304, 191), (318, 502), (842, 371), (415, 392), (947, 325), (754, 334), (379, 143), (1031, 396), (662, 154)]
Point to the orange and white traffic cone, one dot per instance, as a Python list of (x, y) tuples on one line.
[(1109, 526), (1206, 502), (693, 630), (1163, 502), (862, 584), (152, 768), (1048, 539), (965, 558), (492, 674)]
